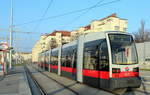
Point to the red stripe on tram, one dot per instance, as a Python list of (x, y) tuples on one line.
[(125, 74), (96, 74), (67, 69), (54, 66)]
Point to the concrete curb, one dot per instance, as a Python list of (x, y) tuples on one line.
[(24, 88)]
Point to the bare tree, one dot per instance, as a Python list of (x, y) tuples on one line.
[(142, 35)]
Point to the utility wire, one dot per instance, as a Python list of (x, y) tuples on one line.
[(44, 14), (83, 13), (26, 32), (67, 13), (50, 3)]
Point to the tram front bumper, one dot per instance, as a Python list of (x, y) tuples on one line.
[(132, 82)]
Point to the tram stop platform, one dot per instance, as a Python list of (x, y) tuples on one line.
[(15, 82)]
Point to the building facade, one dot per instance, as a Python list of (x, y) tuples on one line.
[(143, 54), (110, 23), (50, 41)]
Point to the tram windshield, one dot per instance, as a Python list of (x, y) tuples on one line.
[(123, 49)]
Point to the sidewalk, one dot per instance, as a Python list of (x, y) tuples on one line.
[(15, 83)]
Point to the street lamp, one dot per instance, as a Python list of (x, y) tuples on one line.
[(10, 35)]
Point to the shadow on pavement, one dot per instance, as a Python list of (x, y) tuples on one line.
[(65, 87), (144, 89)]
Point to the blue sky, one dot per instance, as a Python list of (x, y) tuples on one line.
[(28, 10)]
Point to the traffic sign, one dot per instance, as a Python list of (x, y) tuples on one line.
[(4, 46)]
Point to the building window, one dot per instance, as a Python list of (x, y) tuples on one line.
[(101, 24), (124, 29), (117, 27), (109, 20)]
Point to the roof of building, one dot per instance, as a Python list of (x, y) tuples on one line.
[(64, 33), (112, 15), (88, 27)]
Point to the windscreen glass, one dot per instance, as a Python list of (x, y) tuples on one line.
[(123, 49)]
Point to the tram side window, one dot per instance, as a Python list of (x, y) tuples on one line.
[(54, 57), (74, 58), (48, 58), (67, 57), (103, 57), (91, 55), (63, 57), (45, 58)]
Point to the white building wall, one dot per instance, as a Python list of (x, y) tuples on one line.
[(143, 50)]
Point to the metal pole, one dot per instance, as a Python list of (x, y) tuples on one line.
[(10, 36), (144, 53)]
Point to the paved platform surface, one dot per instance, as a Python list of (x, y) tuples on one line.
[(15, 83)]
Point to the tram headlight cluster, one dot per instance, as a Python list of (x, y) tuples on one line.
[(116, 70), (136, 69)]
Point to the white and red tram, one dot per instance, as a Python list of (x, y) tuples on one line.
[(100, 59)]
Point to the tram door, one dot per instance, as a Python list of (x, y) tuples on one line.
[(103, 65), (73, 65)]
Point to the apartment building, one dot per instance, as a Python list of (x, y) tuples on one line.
[(56, 38), (49, 41), (109, 23)]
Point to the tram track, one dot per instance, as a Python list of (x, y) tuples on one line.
[(31, 80), (75, 92)]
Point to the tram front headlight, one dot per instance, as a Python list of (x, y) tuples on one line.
[(136, 69), (116, 70)]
